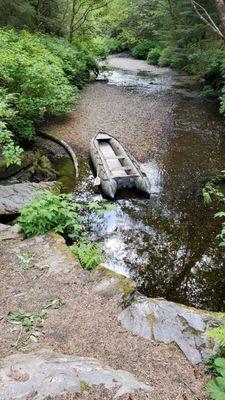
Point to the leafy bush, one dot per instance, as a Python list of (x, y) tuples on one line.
[(216, 387), (153, 56), (75, 62), (142, 49), (165, 57), (51, 212), (37, 72), (89, 254)]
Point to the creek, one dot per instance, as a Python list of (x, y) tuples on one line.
[(165, 242)]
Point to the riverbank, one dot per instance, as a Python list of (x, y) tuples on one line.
[(82, 323)]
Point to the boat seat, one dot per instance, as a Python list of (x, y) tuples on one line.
[(116, 158), (112, 159)]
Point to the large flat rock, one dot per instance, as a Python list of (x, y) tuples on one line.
[(46, 373), (13, 197), (170, 322)]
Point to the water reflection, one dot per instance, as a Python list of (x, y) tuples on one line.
[(167, 243)]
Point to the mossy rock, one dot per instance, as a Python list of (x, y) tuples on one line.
[(112, 284), (7, 172)]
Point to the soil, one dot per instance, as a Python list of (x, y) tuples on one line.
[(87, 325)]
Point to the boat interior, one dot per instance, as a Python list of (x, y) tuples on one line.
[(116, 159)]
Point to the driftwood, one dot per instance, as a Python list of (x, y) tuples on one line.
[(65, 145)]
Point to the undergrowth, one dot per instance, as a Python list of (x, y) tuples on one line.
[(59, 213), (90, 255), (216, 387)]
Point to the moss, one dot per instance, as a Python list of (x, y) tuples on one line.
[(66, 172), (84, 386), (117, 283)]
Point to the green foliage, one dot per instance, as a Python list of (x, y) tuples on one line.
[(89, 254), (210, 192), (218, 334), (27, 319), (39, 75), (41, 15), (30, 323), (142, 49), (100, 207), (153, 56), (216, 387), (51, 212), (165, 57), (75, 61)]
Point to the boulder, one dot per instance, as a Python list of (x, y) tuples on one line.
[(48, 250), (111, 284), (169, 322), (44, 374), (13, 197), (10, 232)]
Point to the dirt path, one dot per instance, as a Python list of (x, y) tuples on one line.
[(86, 325)]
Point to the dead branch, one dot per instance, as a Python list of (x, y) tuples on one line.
[(206, 18)]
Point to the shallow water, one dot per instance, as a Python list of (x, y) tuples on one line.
[(167, 243)]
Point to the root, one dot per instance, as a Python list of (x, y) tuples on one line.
[(65, 145)]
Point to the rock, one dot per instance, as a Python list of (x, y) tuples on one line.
[(48, 250), (111, 284), (10, 232), (13, 197), (47, 373), (170, 322)]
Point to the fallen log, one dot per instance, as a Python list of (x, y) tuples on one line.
[(65, 145)]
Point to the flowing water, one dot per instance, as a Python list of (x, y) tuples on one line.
[(166, 242)]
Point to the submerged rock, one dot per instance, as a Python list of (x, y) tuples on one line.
[(10, 232), (46, 373), (13, 197), (169, 322)]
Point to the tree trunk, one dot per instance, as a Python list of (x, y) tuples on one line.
[(220, 5), (71, 30)]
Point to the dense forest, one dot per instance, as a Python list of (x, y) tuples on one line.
[(165, 240), (50, 48)]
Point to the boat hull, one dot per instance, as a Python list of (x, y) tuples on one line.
[(117, 169)]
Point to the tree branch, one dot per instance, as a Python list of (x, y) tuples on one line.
[(205, 17)]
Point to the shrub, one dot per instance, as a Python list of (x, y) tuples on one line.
[(75, 62), (51, 212), (89, 254), (216, 387), (165, 57), (153, 56), (142, 49), (36, 76)]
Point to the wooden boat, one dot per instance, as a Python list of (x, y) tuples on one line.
[(115, 167)]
